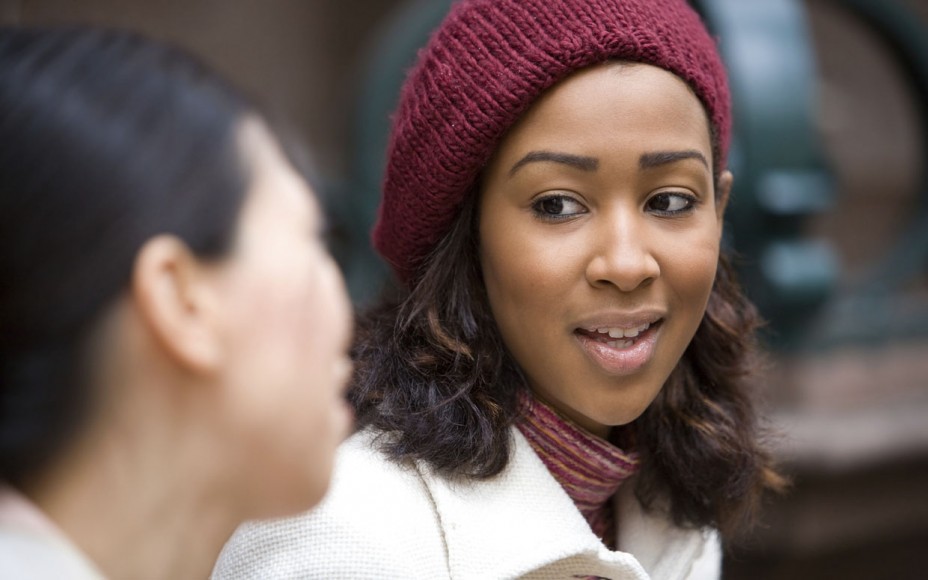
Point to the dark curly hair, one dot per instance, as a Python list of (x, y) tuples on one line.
[(431, 368)]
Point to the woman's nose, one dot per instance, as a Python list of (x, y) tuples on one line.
[(622, 254)]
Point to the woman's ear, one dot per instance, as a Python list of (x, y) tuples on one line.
[(177, 303), (722, 194)]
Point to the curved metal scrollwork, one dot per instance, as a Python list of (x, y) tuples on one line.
[(877, 307), (781, 177)]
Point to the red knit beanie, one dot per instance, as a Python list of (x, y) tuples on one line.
[(485, 65)]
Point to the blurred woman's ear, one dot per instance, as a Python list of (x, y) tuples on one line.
[(177, 304)]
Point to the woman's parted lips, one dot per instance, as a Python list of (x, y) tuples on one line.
[(619, 325)]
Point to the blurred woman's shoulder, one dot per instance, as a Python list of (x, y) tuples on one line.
[(377, 521)]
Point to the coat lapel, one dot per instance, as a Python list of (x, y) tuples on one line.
[(666, 551), (520, 523)]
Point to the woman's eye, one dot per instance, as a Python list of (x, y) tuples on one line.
[(557, 206), (671, 203)]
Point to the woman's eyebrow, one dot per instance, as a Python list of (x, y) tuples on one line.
[(577, 161), (658, 158)]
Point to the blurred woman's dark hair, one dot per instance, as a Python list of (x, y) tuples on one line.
[(106, 140)]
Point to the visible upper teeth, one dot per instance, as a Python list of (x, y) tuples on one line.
[(624, 332)]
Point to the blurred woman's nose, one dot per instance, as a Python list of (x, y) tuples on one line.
[(622, 253)]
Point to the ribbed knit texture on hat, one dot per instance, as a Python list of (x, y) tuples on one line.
[(485, 66)]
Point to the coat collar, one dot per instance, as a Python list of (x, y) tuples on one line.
[(529, 527), (29, 540)]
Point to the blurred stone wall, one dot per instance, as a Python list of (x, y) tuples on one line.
[(299, 56)]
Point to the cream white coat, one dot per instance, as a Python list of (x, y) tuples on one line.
[(384, 521), (33, 548)]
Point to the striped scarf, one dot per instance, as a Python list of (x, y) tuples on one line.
[(589, 469)]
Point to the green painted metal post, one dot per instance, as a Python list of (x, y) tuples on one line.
[(781, 177)]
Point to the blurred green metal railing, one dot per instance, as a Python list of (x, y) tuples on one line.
[(781, 178), (877, 308), (393, 52)]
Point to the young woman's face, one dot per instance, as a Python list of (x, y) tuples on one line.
[(289, 332), (599, 239)]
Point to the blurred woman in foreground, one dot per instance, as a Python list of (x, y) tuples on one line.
[(173, 332)]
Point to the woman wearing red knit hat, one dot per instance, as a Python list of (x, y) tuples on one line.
[(560, 389)]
